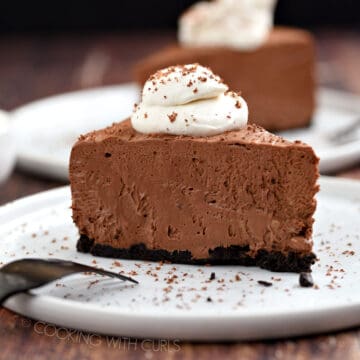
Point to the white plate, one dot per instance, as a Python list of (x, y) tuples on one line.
[(46, 129), (7, 146), (41, 226), (336, 110)]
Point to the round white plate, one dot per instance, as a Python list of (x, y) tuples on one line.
[(46, 129), (171, 300)]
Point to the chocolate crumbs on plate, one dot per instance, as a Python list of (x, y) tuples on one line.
[(172, 117), (306, 280)]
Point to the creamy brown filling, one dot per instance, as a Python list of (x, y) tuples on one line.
[(244, 187)]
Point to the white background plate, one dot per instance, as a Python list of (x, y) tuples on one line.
[(41, 226), (46, 129)]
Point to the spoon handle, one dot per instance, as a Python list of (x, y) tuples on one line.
[(11, 284)]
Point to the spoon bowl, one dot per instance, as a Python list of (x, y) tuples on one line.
[(26, 274)]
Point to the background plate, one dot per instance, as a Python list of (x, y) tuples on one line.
[(171, 300), (46, 129)]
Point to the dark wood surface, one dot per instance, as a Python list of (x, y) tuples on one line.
[(32, 67)]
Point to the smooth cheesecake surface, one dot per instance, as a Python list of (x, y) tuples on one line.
[(247, 189), (277, 80)]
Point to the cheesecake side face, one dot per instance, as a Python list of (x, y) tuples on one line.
[(243, 197), (277, 80)]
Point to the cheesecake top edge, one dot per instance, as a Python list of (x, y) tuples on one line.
[(250, 134), (278, 36)]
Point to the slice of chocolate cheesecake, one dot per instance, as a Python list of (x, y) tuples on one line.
[(240, 196)]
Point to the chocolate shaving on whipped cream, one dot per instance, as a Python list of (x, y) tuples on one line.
[(195, 97)]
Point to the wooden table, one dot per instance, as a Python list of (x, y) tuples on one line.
[(32, 67)]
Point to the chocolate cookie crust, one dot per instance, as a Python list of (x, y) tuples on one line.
[(232, 255)]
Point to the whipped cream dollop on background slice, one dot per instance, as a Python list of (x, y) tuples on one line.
[(188, 100), (239, 24)]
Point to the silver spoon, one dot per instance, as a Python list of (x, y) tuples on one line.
[(26, 274)]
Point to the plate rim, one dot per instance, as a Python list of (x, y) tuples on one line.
[(70, 94)]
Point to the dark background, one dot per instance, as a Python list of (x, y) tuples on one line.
[(80, 15)]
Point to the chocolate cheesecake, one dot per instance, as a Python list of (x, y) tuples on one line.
[(275, 75), (194, 191)]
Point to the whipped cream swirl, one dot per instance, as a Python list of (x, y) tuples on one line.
[(188, 100), (239, 24)]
